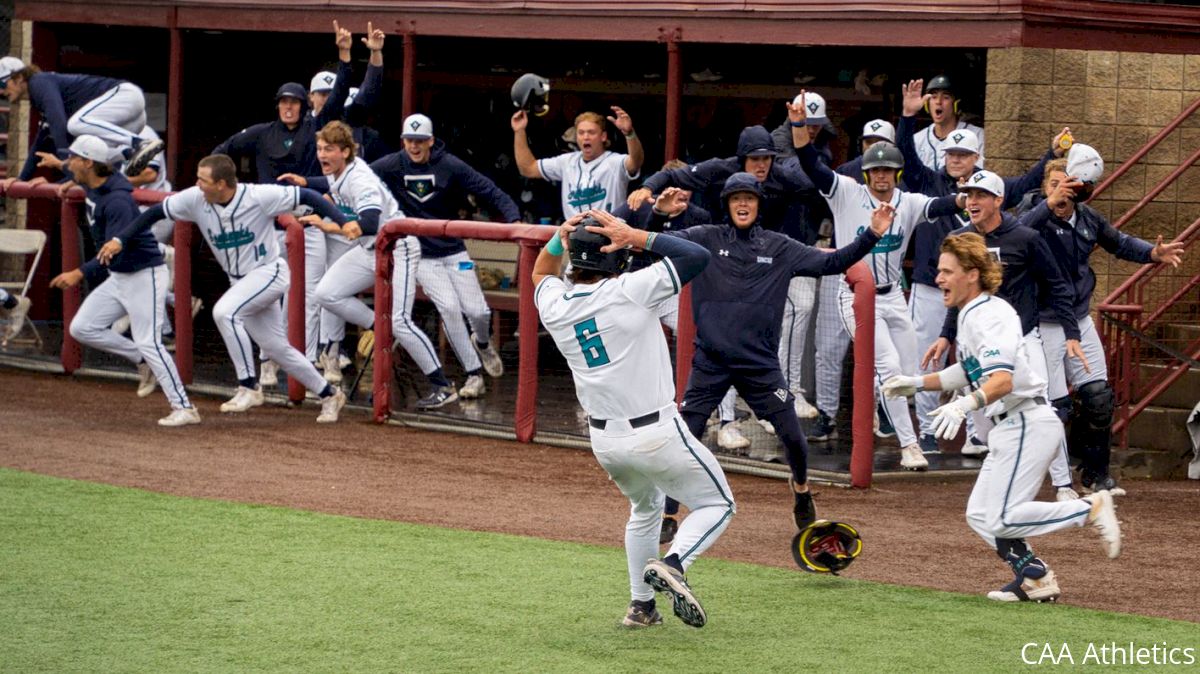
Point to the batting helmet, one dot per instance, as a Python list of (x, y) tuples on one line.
[(531, 93), (882, 154), (939, 83), (586, 254), (826, 547)]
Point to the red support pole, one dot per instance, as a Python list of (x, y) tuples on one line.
[(175, 104), (184, 330), (525, 421), (383, 322), (685, 342), (72, 352), (295, 298), (862, 453), (674, 94), (408, 85)]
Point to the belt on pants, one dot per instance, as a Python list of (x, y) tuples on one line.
[(1021, 407), (884, 289), (636, 422)]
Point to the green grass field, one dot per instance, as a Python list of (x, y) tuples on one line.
[(96, 578)]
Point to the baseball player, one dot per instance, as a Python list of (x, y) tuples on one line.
[(852, 203), (72, 105), (15, 308), (1072, 230), (135, 282), (356, 190), (942, 106), (430, 182), (960, 158), (606, 326), (592, 177), (238, 222), (993, 367)]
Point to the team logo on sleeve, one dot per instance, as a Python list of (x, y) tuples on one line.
[(420, 187)]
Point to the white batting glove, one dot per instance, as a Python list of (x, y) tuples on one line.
[(902, 386), (948, 418)]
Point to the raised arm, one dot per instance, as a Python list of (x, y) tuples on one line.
[(624, 124), (526, 162), (917, 176), (817, 171)]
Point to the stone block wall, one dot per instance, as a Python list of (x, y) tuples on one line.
[(1115, 102)]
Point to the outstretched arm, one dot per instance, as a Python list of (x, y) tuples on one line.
[(526, 162)]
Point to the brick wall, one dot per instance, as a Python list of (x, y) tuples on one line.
[(1114, 101)]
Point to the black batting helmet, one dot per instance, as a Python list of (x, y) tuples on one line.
[(826, 547), (531, 93), (883, 154), (939, 83), (586, 254)]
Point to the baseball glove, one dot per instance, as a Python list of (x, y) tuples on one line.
[(826, 547), (366, 343)]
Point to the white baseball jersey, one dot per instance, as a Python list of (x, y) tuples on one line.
[(989, 340), (610, 335), (852, 205), (358, 189), (932, 150), (601, 183), (242, 232)]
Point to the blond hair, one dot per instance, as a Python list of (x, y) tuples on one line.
[(1059, 165), (595, 118), (340, 134), (972, 253)]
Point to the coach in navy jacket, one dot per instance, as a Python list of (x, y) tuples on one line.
[(110, 209)]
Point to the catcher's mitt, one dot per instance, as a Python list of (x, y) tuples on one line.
[(366, 343), (826, 547)]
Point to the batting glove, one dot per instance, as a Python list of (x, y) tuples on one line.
[(948, 418), (902, 386)]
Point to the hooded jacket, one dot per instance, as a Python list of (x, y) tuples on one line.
[(643, 218), (110, 209), (436, 188)]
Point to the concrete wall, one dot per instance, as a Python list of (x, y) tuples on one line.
[(1114, 101)]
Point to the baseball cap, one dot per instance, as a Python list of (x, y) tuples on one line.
[(90, 147), (8, 66), (417, 127), (291, 90), (322, 81), (986, 181), (814, 105), (879, 128), (962, 140), (1084, 163)]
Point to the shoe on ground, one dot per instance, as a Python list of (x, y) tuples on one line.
[(16, 317), (243, 400), (928, 444), (974, 447), (1103, 516), (1065, 493), (183, 416), (766, 426), (490, 359), (1094, 483), (473, 388), (911, 458), (663, 578), (730, 437), (670, 526), (639, 616), (142, 154), (331, 368), (804, 410), (122, 325), (1029, 589), (437, 398), (330, 406), (268, 373), (147, 382), (803, 510), (825, 430)]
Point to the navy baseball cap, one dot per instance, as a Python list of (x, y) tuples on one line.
[(292, 90)]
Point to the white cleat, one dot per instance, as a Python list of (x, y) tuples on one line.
[(973, 447), (473, 388), (243, 400), (330, 406), (1065, 494), (331, 368), (766, 426), (184, 416), (147, 382), (730, 437), (1104, 517), (804, 410), (268, 374), (16, 317), (490, 359), (912, 458), (1035, 589)]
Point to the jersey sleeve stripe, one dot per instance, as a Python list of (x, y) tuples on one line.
[(166, 204), (671, 272), (539, 287), (295, 197), (998, 366)]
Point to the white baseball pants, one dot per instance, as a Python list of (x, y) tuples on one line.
[(333, 326), (654, 461), (451, 283), (797, 311), (1062, 370), (142, 296), (895, 352), (250, 310), (116, 117), (1020, 450), (928, 314), (832, 342)]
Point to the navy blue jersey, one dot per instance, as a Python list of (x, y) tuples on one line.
[(644, 218), (110, 209), (57, 96)]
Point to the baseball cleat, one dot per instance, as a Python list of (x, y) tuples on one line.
[(1103, 516), (244, 399), (1029, 589), (824, 430), (766, 426), (437, 398), (639, 616), (929, 444), (803, 510), (473, 388), (490, 359), (147, 382), (730, 437), (804, 409), (184, 416), (332, 369), (670, 525), (663, 578), (1065, 493), (974, 447), (143, 153), (330, 406), (16, 317), (911, 458), (268, 373)]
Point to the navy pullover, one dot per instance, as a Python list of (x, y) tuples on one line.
[(110, 209), (644, 218), (57, 96)]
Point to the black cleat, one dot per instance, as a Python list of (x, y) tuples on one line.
[(437, 398), (663, 578), (143, 153)]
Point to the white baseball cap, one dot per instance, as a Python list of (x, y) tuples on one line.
[(90, 147), (962, 140), (8, 66), (1084, 163), (814, 105), (417, 127), (880, 128), (322, 81), (984, 180)]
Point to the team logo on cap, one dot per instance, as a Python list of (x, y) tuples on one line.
[(958, 137), (812, 107), (328, 80), (875, 126), (979, 177), (414, 125)]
